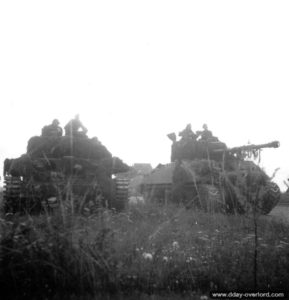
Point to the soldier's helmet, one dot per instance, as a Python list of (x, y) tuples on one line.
[(55, 122), (205, 127)]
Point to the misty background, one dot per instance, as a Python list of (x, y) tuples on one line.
[(138, 70)]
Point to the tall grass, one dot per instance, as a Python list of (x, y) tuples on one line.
[(148, 248)]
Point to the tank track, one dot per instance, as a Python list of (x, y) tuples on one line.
[(271, 197), (14, 197), (19, 198), (121, 193)]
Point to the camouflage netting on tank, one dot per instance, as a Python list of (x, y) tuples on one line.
[(205, 167), (56, 147), (206, 184), (196, 184), (66, 168), (204, 171)]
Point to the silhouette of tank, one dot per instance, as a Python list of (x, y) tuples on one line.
[(70, 172), (210, 176)]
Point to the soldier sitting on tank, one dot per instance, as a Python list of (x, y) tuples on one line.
[(206, 135), (52, 130), (188, 133), (75, 128)]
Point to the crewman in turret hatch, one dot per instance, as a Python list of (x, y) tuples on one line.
[(52, 130), (73, 126), (188, 133), (206, 135)]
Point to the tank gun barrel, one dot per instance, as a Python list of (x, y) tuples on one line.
[(274, 144)]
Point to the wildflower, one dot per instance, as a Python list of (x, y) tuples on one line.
[(176, 245), (212, 285), (147, 256)]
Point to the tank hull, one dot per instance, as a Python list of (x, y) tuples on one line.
[(205, 184), (74, 173)]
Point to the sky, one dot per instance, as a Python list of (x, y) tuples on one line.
[(138, 70)]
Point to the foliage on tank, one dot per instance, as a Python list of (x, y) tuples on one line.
[(68, 169), (204, 173)]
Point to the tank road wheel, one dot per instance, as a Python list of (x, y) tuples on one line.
[(11, 195), (19, 197), (22, 197), (270, 198), (121, 193)]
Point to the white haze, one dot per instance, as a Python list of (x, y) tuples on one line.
[(138, 70)]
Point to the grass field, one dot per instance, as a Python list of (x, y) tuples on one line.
[(149, 250)]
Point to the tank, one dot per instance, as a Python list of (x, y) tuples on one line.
[(208, 175), (68, 172)]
